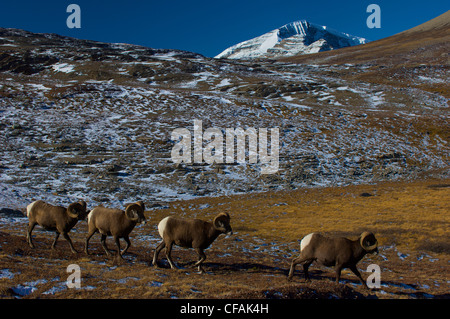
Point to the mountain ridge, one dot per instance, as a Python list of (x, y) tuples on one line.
[(395, 60), (432, 35), (298, 37)]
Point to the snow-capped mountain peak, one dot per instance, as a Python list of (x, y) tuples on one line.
[(298, 37)]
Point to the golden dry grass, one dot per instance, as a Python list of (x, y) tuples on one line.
[(410, 219), (402, 213)]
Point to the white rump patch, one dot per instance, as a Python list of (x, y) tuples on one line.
[(305, 241), (162, 226), (30, 207), (90, 215)]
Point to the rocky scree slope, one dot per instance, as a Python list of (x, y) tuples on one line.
[(91, 120)]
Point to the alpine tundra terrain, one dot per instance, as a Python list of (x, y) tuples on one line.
[(364, 145)]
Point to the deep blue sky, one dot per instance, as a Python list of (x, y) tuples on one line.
[(209, 26)]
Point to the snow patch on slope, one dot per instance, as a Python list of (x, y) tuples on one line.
[(299, 37), (63, 67)]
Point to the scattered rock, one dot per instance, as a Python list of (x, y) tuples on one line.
[(366, 194), (8, 212)]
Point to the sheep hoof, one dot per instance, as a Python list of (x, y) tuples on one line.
[(200, 270), (119, 257), (173, 266), (119, 260)]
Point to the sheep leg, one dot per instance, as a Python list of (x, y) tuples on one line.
[(157, 250), (56, 239), (66, 237), (300, 259), (169, 258), (30, 229), (202, 258), (90, 234), (103, 242), (127, 240), (357, 273), (338, 273), (305, 270), (117, 240)]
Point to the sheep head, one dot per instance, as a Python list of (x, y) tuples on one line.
[(77, 210), (135, 212), (222, 223), (368, 242)]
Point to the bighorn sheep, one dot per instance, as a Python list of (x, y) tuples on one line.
[(338, 252), (115, 222), (55, 218), (190, 233)]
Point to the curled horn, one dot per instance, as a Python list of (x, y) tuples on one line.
[(219, 221), (132, 211), (83, 204), (75, 209), (366, 238), (141, 203)]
